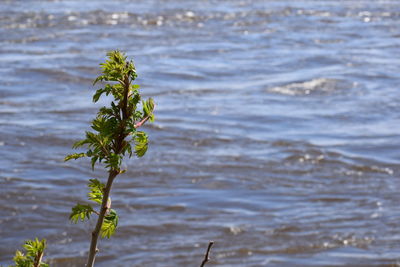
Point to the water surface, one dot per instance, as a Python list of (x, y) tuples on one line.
[(277, 132)]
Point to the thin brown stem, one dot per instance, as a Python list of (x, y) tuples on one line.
[(140, 123), (207, 255), (95, 234), (144, 120), (38, 259)]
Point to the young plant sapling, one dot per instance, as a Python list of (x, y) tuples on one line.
[(115, 135), (33, 255)]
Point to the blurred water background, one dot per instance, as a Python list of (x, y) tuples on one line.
[(277, 132)]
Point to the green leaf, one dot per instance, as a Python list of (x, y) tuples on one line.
[(96, 190), (148, 106), (81, 212), (141, 143), (74, 156), (134, 99), (151, 117), (93, 161), (34, 247), (114, 161), (108, 88), (98, 79), (110, 223), (97, 95), (129, 149), (80, 143), (115, 67), (21, 260)]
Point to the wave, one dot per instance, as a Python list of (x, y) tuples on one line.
[(314, 86)]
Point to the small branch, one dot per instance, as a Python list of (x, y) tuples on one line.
[(206, 256), (38, 259), (143, 121), (140, 123)]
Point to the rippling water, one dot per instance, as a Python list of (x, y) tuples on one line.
[(277, 131)]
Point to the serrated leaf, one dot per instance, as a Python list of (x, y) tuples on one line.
[(74, 156), (100, 78), (151, 117), (34, 247), (21, 260), (96, 190), (129, 149), (97, 95), (93, 161), (141, 143), (19, 254), (80, 212), (79, 143), (110, 223), (148, 106), (114, 161)]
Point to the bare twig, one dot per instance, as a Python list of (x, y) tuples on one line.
[(206, 256)]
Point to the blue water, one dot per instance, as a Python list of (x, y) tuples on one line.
[(277, 130)]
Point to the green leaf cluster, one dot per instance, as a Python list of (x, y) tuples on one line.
[(34, 253), (116, 68), (115, 132), (81, 212)]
